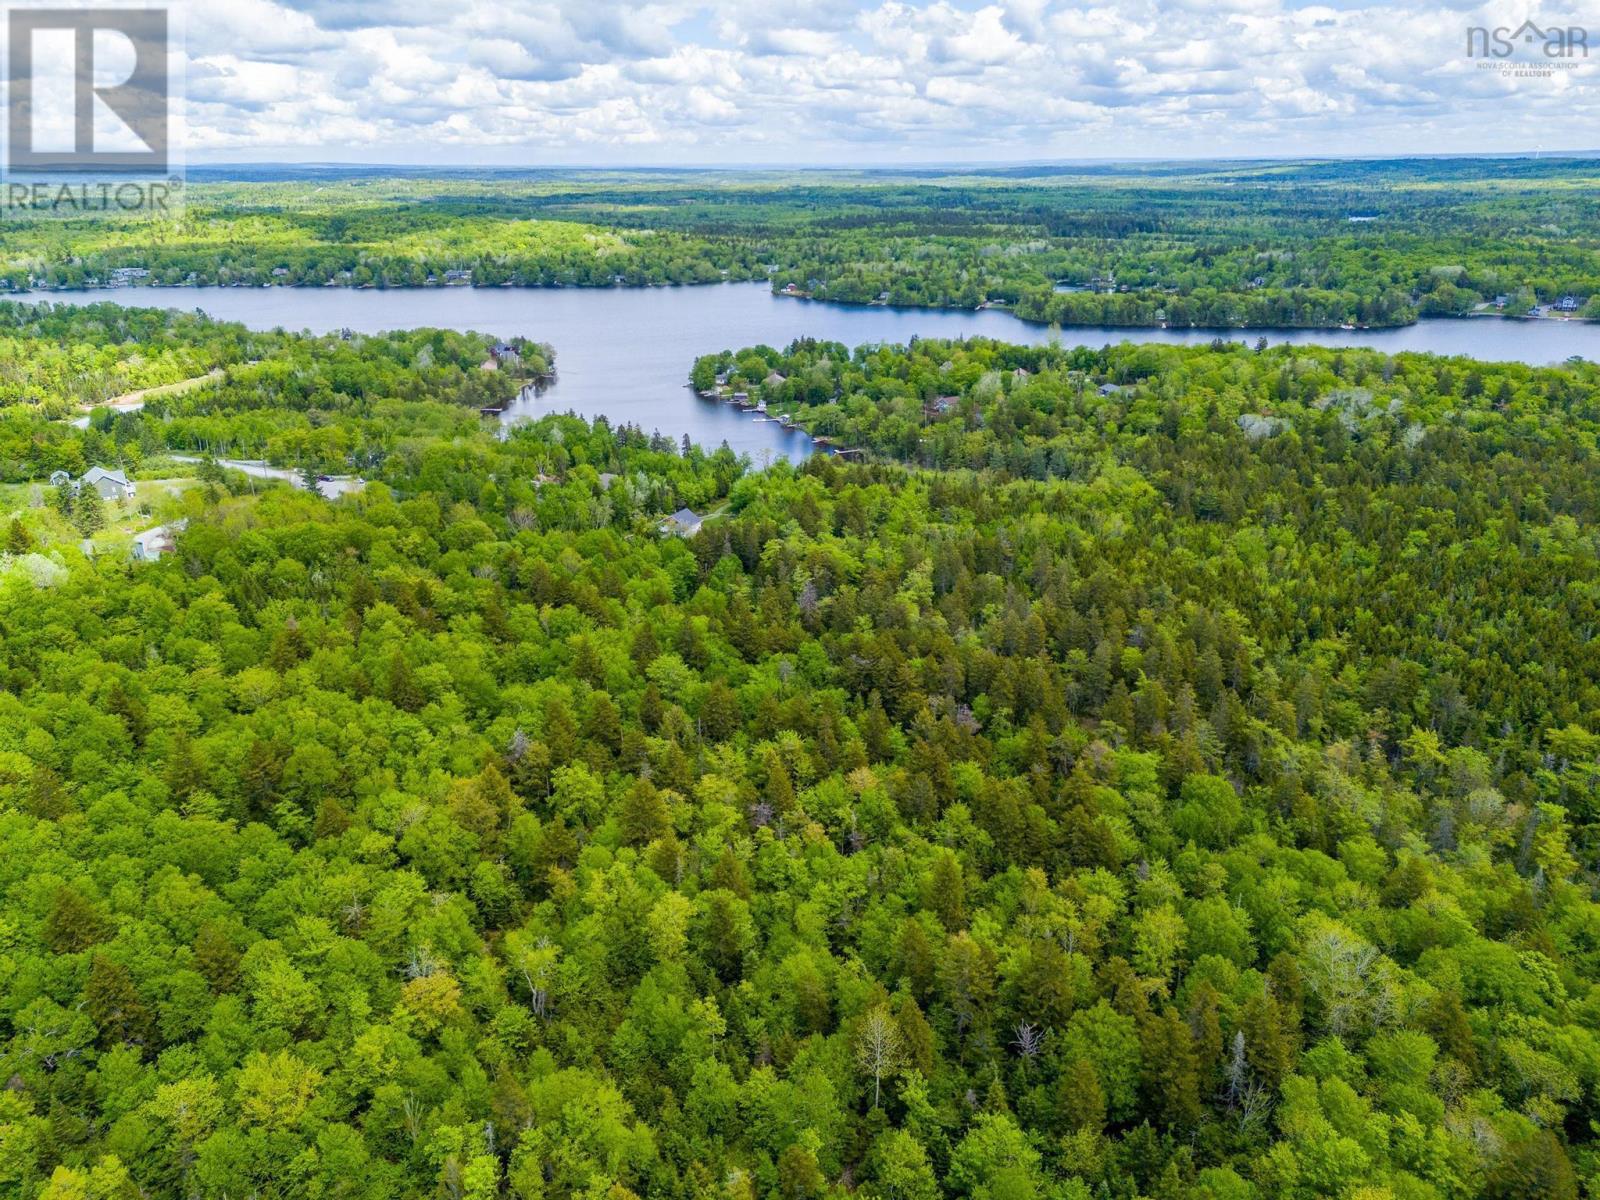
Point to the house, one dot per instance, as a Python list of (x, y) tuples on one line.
[(1568, 304), (1021, 373), (112, 485), (773, 379), (1110, 389), (126, 276), (941, 404), (153, 543), (1502, 300), (280, 272), (505, 352), (684, 523)]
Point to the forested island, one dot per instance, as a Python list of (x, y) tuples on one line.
[(1148, 772), (1209, 245)]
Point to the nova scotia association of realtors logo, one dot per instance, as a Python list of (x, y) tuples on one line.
[(89, 111), (1528, 50)]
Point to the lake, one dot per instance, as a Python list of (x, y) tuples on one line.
[(625, 353)]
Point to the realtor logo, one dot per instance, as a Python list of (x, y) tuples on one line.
[(1562, 44), (88, 90)]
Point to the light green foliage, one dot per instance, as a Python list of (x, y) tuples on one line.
[(1158, 822)]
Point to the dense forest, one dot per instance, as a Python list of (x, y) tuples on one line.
[(1207, 245), (332, 402), (1155, 773)]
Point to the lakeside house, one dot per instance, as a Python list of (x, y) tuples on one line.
[(112, 485), (683, 523), (1568, 304)]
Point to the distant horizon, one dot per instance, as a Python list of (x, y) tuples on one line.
[(879, 165)]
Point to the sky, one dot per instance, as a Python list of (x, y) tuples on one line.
[(861, 82)]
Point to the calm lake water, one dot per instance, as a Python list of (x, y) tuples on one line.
[(625, 353)]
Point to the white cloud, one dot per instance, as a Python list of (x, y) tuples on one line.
[(832, 80)]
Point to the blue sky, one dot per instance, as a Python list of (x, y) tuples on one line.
[(862, 81)]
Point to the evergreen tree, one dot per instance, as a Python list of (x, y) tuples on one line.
[(88, 511)]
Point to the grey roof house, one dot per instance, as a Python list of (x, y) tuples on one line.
[(112, 485), (153, 543), (685, 522)]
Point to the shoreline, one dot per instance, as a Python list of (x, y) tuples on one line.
[(70, 295)]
